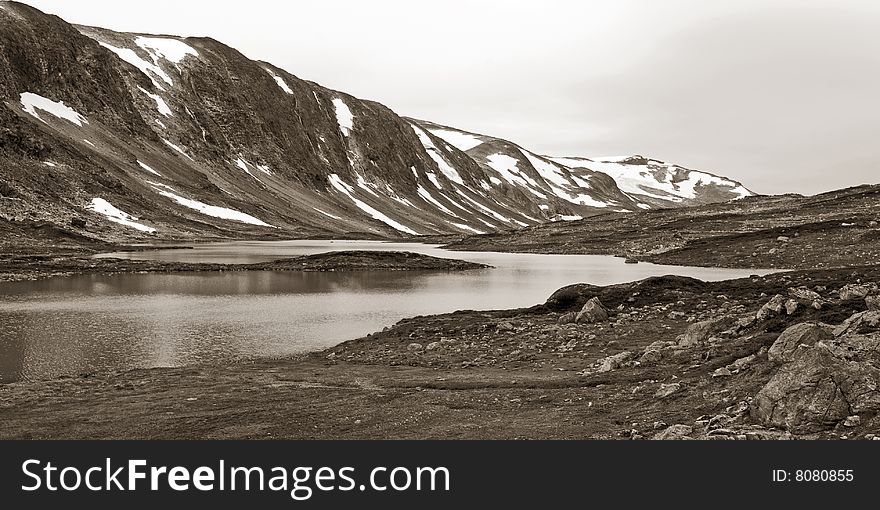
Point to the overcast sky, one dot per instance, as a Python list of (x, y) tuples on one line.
[(783, 95)]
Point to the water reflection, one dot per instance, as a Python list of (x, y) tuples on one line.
[(66, 326)]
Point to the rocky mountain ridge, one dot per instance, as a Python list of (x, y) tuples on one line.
[(120, 136)]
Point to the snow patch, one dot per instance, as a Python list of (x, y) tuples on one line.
[(178, 149), (507, 167), (447, 169), (161, 105), (31, 102), (344, 117), (210, 210), (172, 50), (280, 81), (101, 206), (148, 168), (148, 68), (487, 210), (461, 141), (466, 227), (430, 199), (325, 213), (347, 190), (547, 170)]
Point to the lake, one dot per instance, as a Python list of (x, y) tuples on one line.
[(85, 324)]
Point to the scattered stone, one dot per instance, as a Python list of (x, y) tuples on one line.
[(505, 327), (804, 294), (414, 347), (722, 372), (673, 432), (651, 357), (791, 307), (852, 421), (666, 390), (783, 239), (854, 291), (593, 311), (741, 363), (873, 303), (433, 346), (787, 343)]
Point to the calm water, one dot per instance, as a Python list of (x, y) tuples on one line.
[(68, 326)]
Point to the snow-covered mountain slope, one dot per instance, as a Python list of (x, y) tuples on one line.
[(591, 183), (661, 184), (116, 135)]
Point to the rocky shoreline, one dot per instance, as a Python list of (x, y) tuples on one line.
[(33, 267), (784, 356)]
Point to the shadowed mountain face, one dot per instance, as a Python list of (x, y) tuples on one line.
[(118, 136)]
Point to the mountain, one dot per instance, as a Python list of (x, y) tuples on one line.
[(111, 136)]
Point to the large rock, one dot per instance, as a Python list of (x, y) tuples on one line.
[(816, 391), (614, 362), (696, 334), (807, 333), (771, 308), (666, 390), (861, 322), (593, 311)]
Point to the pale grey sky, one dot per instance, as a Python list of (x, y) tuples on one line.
[(780, 94)]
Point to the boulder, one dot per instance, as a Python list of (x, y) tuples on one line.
[(593, 311), (859, 323), (433, 346), (667, 389), (787, 343), (414, 347), (613, 362), (816, 391), (505, 327), (699, 332), (567, 318), (675, 432), (771, 308), (791, 306)]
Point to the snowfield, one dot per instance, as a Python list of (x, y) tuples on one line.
[(105, 208), (31, 102), (148, 68)]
